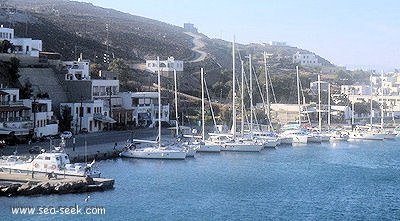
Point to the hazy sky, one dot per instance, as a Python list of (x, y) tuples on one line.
[(352, 33)]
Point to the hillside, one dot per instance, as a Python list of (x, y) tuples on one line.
[(71, 28)]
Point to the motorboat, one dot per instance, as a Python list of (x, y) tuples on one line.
[(53, 162)]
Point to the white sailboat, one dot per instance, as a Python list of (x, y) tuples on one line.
[(387, 134), (266, 137), (365, 133), (154, 150), (206, 145), (294, 130), (236, 144), (186, 141)]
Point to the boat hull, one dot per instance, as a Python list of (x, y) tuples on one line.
[(364, 136), (242, 147), (145, 154), (209, 148)]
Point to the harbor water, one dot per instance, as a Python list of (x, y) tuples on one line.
[(328, 181)]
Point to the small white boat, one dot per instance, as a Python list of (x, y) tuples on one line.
[(54, 162)]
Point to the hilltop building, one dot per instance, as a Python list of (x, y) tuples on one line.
[(277, 43), (306, 59), (189, 27)]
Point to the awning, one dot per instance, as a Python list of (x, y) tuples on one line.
[(104, 119), (13, 108)]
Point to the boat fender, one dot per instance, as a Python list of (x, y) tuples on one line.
[(53, 167), (36, 165)]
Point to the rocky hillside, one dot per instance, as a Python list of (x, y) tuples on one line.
[(71, 28)]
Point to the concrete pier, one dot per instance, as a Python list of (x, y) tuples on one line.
[(27, 184)]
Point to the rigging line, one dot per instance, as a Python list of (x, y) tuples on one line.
[(272, 87), (211, 108), (262, 98), (304, 98)]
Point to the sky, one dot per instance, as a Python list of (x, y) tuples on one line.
[(352, 33)]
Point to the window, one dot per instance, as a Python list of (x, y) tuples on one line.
[(88, 110)]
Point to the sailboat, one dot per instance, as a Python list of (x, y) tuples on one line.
[(294, 130), (206, 145), (323, 135), (234, 143), (154, 149), (365, 133), (185, 140), (266, 137), (386, 133)]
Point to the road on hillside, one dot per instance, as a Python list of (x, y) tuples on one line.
[(198, 44)]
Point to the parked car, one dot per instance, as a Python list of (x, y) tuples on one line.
[(66, 134), (36, 150), (2, 143), (84, 131)]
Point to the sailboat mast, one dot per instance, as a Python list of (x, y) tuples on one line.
[(202, 105), (242, 106), (266, 90), (251, 94), (298, 92), (370, 102), (176, 105), (382, 112), (319, 104), (233, 90), (329, 105), (159, 102)]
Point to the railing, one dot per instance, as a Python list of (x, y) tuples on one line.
[(14, 119)]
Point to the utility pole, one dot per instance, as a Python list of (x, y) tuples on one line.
[(109, 112), (34, 106), (80, 115)]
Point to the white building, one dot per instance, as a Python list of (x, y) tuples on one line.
[(355, 89), (277, 43), (23, 119), (90, 115), (306, 59), (26, 46), (143, 107), (77, 70), (44, 122), (165, 66)]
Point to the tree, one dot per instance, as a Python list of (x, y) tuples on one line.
[(365, 107), (6, 45), (66, 118), (94, 70), (26, 91), (119, 66), (14, 69)]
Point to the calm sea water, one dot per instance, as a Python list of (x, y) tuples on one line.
[(331, 181)]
